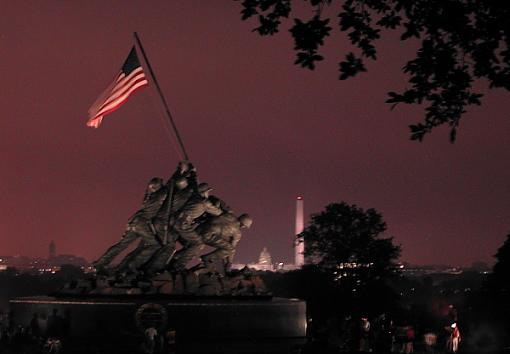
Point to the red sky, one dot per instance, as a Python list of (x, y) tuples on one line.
[(258, 129)]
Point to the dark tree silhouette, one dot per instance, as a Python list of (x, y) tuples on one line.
[(346, 238), (492, 304), (499, 280), (461, 41)]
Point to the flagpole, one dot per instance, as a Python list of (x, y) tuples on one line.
[(167, 110)]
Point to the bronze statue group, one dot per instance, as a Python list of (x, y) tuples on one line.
[(178, 212)]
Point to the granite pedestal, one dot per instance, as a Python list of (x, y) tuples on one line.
[(201, 324)]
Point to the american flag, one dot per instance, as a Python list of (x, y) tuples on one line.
[(130, 79)]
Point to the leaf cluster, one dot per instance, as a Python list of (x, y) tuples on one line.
[(461, 41)]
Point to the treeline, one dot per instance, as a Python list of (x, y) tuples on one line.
[(428, 304), (14, 283)]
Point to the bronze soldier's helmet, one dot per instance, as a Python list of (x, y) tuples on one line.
[(156, 181), (245, 220), (183, 165), (186, 166), (181, 183)]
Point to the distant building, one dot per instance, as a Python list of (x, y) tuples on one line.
[(420, 270), (265, 262), (21, 263), (52, 264), (61, 259), (52, 250), (285, 267), (299, 247), (71, 259)]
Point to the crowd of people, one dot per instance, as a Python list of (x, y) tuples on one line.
[(43, 335), (50, 335), (383, 335)]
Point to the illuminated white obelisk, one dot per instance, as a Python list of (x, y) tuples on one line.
[(299, 247)]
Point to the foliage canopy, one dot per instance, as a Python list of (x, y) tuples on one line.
[(461, 41), (348, 237), (499, 280)]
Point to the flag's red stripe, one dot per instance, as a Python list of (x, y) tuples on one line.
[(114, 105), (123, 79), (94, 122), (120, 90), (112, 108), (120, 80), (126, 93)]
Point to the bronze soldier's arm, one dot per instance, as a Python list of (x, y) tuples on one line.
[(212, 209), (236, 237)]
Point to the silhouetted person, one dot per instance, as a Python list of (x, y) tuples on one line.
[(66, 323), (455, 338), (409, 347), (54, 325), (150, 340), (35, 328), (430, 340), (170, 342), (364, 342)]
